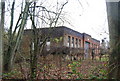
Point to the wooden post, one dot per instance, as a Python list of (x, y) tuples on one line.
[(2, 9)]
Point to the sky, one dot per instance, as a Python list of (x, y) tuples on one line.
[(112, 0), (87, 16), (91, 19)]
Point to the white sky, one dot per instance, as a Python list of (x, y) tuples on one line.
[(90, 18)]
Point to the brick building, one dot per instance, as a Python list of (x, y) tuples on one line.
[(64, 40)]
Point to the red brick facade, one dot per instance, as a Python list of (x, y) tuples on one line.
[(65, 38)]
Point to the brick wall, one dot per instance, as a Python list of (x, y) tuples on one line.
[(58, 37)]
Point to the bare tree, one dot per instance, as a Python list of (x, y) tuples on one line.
[(9, 55), (14, 38), (35, 36)]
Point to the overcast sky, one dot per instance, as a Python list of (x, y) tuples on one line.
[(91, 18), (87, 16)]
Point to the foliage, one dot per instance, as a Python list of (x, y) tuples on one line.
[(74, 70), (73, 67), (57, 40), (95, 72), (98, 72), (12, 75)]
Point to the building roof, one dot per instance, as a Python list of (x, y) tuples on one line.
[(60, 30), (95, 40), (71, 31)]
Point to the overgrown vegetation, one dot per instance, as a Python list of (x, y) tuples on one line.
[(54, 67)]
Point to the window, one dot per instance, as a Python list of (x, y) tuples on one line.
[(92, 45), (33, 46), (76, 43), (68, 42), (79, 43), (40, 40), (72, 42), (48, 44), (97, 46)]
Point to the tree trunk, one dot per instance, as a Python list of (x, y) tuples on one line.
[(2, 12), (34, 50), (10, 39), (114, 30), (10, 55)]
